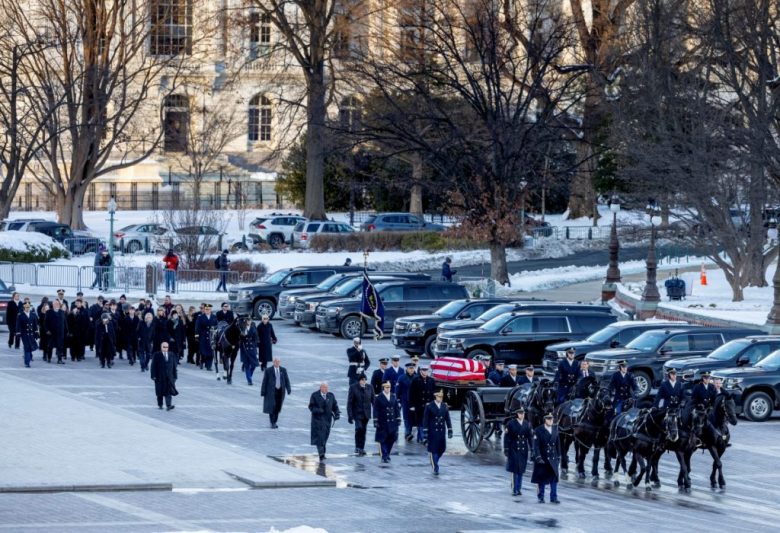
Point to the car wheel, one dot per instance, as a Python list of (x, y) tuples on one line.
[(133, 246), (430, 340), (643, 384), (481, 355), (351, 327), (411, 352), (758, 407), (275, 241), (264, 307)]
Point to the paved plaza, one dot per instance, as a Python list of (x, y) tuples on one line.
[(214, 464)]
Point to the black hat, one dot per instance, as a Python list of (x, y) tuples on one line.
[(415, 357), (60, 291), (225, 251), (208, 306), (672, 371), (409, 365), (520, 409), (361, 376), (548, 415), (570, 349), (622, 363), (499, 362), (384, 361), (79, 293), (705, 374)]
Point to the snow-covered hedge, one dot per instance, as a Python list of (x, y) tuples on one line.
[(29, 247)]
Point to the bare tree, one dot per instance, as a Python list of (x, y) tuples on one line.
[(488, 99), (109, 59)]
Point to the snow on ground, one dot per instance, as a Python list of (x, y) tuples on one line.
[(27, 241), (714, 299), (551, 278)]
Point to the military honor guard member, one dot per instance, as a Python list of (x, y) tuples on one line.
[(518, 443), (438, 428), (358, 361), (379, 373), (529, 376), (623, 386), (566, 375), (387, 417), (547, 458), (670, 394)]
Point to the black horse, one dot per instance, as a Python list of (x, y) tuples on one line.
[(716, 437), (567, 417), (692, 421), (592, 430), (227, 338), (644, 434)]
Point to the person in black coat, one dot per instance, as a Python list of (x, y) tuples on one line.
[(623, 386), (43, 309), (376, 377), (145, 340), (78, 329), (387, 418), (130, 322), (446, 270), (11, 313), (358, 361), (95, 310), (566, 375), (204, 327), (105, 341), (547, 458), (511, 378), (161, 332), (115, 310), (420, 394), (192, 341), (529, 376), (360, 399), (178, 335), (164, 374), (324, 412), (26, 330), (438, 428), (518, 442), (57, 330), (275, 385), (587, 384), (247, 347), (704, 392), (670, 393), (266, 339)]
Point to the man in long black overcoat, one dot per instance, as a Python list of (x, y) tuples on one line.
[(164, 373)]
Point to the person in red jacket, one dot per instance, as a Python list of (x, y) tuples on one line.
[(171, 261)]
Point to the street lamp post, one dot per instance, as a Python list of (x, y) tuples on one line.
[(111, 212), (613, 272), (523, 185), (650, 292)]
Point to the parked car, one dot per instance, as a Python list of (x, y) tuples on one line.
[(755, 389), (520, 337), (416, 334), (737, 353), (613, 336), (289, 298), (5, 297), (304, 231), (262, 298), (275, 229), (137, 237), (531, 304), (400, 298), (398, 222), (647, 354), (19, 224), (350, 287)]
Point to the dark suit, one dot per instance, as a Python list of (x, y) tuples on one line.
[(704, 395), (522, 380), (387, 416), (273, 395), (359, 402), (57, 329), (324, 411), (669, 395), (358, 362), (203, 328), (164, 374), (376, 380), (518, 442), (623, 387), (420, 394), (509, 380), (547, 457), (26, 329), (144, 341), (105, 343), (12, 312), (566, 377), (438, 427), (392, 374)]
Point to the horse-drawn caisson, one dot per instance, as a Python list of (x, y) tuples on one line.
[(644, 434)]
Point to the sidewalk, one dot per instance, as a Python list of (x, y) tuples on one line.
[(54, 441)]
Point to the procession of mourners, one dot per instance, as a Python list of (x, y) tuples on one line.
[(542, 420)]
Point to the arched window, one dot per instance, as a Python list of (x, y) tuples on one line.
[(171, 27), (176, 119), (349, 113), (260, 115)]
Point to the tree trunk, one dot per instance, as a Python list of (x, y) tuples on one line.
[(314, 201), (5, 206), (498, 268), (735, 282), (73, 207), (415, 199), (582, 194), (774, 313)]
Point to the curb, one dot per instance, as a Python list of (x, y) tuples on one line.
[(119, 487), (323, 482)]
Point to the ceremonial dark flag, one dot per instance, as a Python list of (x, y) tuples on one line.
[(372, 307)]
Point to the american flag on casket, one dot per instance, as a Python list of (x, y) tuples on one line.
[(457, 370)]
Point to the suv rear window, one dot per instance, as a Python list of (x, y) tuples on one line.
[(551, 324), (589, 324), (705, 341), (299, 226), (449, 291), (319, 275), (313, 227)]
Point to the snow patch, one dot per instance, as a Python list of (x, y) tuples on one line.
[(28, 241)]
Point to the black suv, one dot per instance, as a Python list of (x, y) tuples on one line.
[(263, 297), (756, 389), (400, 298), (613, 336), (531, 304), (416, 334), (349, 287), (647, 353), (288, 298), (520, 337), (736, 353)]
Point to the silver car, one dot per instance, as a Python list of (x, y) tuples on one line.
[(398, 222), (305, 230)]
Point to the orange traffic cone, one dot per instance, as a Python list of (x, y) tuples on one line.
[(703, 276)]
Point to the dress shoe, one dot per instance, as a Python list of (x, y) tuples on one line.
[(159, 407), (540, 500), (274, 426), (362, 453), (170, 408), (322, 457), (27, 365), (555, 501)]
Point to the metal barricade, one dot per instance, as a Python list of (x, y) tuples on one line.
[(58, 276), (16, 273), (198, 280)]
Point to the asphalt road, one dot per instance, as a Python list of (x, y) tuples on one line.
[(582, 258), (472, 493)]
